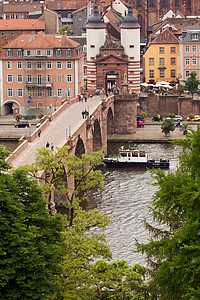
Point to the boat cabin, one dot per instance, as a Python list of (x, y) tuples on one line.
[(132, 155)]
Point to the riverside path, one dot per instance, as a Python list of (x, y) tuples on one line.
[(68, 120)]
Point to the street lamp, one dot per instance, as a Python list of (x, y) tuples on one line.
[(55, 99)]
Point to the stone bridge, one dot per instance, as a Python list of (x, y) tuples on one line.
[(115, 114)]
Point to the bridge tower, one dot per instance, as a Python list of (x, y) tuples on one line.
[(96, 34), (130, 39)]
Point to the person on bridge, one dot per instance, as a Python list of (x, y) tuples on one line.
[(52, 147), (47, 145)]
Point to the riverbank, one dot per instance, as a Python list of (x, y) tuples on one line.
[(146, 136)]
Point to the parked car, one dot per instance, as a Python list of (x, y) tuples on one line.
[(140, 124), (196, 118), (139, 118), (157, 118), (22, 124), (178, 118)]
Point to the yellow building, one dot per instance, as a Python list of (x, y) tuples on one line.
[(161, 60)]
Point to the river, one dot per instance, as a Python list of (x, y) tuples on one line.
[(126, 199)]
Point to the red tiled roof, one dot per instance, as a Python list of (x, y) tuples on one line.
[(22, 24), (21, 7), (42, 41), (114, 25), (80, 9), (64, 5), (165, 37)]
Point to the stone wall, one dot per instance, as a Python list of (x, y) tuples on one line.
[(168, 104), (125, 111)]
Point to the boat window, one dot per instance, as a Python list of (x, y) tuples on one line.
[(142, 154), (129, 154), (134, 154), (123, 155)]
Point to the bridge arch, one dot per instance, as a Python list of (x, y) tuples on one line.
[(110, 122), (97, 138), (10, 106), (80, 148)]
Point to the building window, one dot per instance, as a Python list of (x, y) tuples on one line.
[(8, 65), (19, 65), (68, 92), (69, 65), (9, 78), (10, 92), (139, 3), (59, 92), (187, 74), (58, 65), (19, 92), (92, 46), (29, 78), (48, 53), (152, 3), (162, 61), (173, 73), (39, 93), (187, 49), (162, 50), (12, 16), (59, 78), (195, 36), (29, 65), (49, 78), (19, 78), (28, 52), (3, 33), (164, 3), (118, 53), (39, 65), (9, 53), (151, 61), (194, 49), (93, 58), (69, 78), (105, 53), (173, 50), (69, 52), (19, 53), (131, 46), (187, 61), (38, 52), (194, 61), (58, 53), (162, 73), (173, 61), (49, 65), (49, 92), (151, 73), (177, 2)]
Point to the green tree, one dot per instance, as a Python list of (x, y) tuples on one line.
[(31, 245), (167, 126), (65, 30), (72, 177), (191, 84), (173, 252)]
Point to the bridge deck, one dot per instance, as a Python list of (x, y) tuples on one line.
[(70, 119)]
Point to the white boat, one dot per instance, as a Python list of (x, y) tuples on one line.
[(133, 158)]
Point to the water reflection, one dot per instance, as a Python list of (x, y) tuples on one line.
[(126, 200)]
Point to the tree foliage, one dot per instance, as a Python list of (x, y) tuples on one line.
[(191, 84), (167, 126), (65, 30), (68, 175), (31, 245), (173, 253)]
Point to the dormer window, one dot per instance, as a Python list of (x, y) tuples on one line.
[(58, 53), (19, 53), (9, 53), (195, 36), (105, 53), (38, 52)]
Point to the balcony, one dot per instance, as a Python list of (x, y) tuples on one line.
[(39, 85)]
